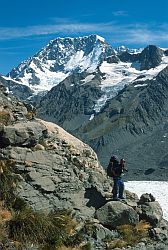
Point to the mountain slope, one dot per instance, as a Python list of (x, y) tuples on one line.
[(113, 74), (134, 125), (82, 95), (71, 102)]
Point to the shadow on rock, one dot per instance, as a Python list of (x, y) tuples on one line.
[(96, 199)]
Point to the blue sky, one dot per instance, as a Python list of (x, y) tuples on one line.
[(27, 26)]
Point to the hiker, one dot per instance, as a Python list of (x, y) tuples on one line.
[(117, 168)]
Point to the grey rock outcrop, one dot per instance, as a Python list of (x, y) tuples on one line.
[(150, 57), (102, 233), (21, 91), (151, 212), (58, 170), (22, 134), (11, 109), (113, 59), (146, 198), (115, 213)]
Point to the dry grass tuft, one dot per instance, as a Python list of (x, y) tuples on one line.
[(130, 235), (8, 182), (68, 248), (4, 117), (134, 234), (5, 215), (49, 231), (116, 243), (143, 226), (23, 226), (30, 115)]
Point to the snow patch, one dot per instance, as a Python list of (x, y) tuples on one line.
[(8, 78), (91, 117), (75, 60), (140, 85), (88, 78), (100, 38)]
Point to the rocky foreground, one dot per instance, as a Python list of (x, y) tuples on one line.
[(56, 171)]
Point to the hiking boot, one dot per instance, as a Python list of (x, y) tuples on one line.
[(115, 199), (121, 198)]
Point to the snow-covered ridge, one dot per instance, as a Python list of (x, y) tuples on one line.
[(123, 73), (122, 48)]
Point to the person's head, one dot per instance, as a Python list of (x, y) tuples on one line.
[(122, 161), (115, 158)]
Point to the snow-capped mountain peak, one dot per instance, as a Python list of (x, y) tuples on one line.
[(91, 55), (59, 58)]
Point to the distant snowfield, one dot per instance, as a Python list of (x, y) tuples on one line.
[(159, 189)]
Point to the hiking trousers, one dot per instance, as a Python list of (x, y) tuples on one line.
[(118, 187)]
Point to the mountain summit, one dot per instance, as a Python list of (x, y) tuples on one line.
[(60, 58)]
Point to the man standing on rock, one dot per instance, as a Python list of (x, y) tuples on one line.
[(117, 169)]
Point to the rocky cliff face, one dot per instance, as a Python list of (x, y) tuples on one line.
[(71, 103), (58, 170), (11, 109)]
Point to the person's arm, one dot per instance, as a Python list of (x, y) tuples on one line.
[(124, 168)]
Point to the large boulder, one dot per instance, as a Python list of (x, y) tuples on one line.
[(116, 213), (59, 171), (151, 212)]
